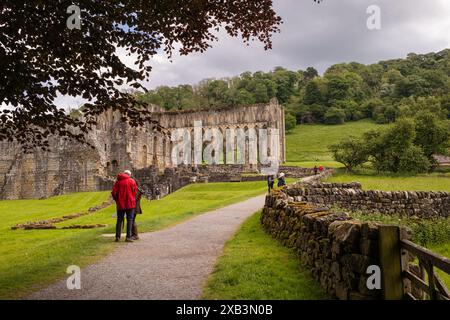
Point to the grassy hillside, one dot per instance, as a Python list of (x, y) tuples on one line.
[(31, 258), (307, 145)]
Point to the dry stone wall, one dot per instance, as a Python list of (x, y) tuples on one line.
[(350, 196), (337, 248)]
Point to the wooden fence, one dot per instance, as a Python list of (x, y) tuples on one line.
[(409, 270)]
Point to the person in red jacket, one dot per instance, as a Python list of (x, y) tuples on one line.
[(124, 193)]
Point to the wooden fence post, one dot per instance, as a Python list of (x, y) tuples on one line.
[(390, 260)]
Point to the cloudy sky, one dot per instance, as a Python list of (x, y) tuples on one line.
[(317, 35)]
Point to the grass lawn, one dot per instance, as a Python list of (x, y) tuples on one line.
[(309, 143), (30, 259), (371, 181), (444, 250), (256, 266), (311, 164)]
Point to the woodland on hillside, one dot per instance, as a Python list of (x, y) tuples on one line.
[(383, 91)]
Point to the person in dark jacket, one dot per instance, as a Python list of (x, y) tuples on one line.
[(316, 170), (157, 193), (124, 193), (281, 180), (137, 210), (270, 182)]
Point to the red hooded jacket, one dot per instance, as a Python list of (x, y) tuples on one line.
[(124, 192)]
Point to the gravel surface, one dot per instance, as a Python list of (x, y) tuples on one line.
[(170, 264)]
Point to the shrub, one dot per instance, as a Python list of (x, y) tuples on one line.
[(290, 122), (334, 116), (394, 150), (413, 161), (351, 152), (425, 232)]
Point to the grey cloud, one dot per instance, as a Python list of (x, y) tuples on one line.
[(319, 35)]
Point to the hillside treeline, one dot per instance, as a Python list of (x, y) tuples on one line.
[(383, 91)]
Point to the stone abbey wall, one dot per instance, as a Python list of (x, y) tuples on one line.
[(350, 196), (256, 117), (72, 167)]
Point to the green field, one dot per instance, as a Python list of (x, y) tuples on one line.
[(307, 145), (256, 266), (444, 250), (371, 181), (30, 259)]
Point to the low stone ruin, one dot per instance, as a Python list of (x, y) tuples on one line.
[(50, 223)]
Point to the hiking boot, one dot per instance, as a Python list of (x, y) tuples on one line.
[(117, 239), (134, 231), (128, 240)]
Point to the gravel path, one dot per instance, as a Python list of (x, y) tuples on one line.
[(170, 264)]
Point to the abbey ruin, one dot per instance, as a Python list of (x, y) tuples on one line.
[(73, 167)]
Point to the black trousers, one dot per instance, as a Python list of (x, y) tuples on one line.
[(130, 218)]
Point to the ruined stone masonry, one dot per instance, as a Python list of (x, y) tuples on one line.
[(73, 167)]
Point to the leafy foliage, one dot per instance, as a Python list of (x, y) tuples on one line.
[(406, 147), (425, 232), (290, 122), (334, 116), (432, 135), (394, 151), (40, 57), (351, 152)]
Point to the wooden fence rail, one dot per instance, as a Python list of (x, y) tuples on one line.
[(409, 269)]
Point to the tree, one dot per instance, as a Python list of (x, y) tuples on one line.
[(290, 122), (445, 102), (285, 81), (338, 87), (352, 110), (393, 150), (310, 73), (40, 57), (351, 152), (334, 116), (370, 105), (411, 85), (432, 135), (216, 92), (413, 161), (260, 93), (313, 95)]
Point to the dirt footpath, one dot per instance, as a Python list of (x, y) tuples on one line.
[(170, 264)]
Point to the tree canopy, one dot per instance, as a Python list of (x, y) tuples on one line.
[(408, 146), (40, 57)]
